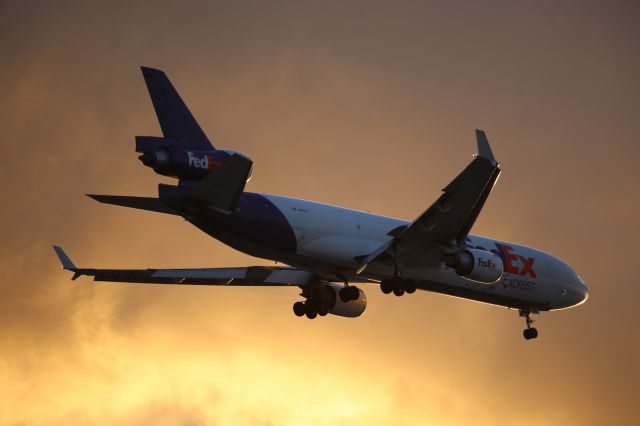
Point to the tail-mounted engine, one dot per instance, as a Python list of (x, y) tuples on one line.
[(476, 265), (171, 157)]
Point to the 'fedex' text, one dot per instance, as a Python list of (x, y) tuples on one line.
[(516, 264), (204, 162), (513, 263)]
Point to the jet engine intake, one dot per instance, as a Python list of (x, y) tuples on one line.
[(157, 160), (476, 265)]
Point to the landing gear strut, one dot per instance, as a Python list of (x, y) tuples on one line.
[(529, 332)]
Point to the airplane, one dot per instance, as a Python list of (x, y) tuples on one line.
[(326, 249)]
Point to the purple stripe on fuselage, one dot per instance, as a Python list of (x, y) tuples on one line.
[(258, 220)]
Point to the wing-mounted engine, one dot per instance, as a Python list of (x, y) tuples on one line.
[(171, 157), (331, 298), (476, 265)]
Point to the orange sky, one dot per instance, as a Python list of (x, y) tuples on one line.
[(364, 104)]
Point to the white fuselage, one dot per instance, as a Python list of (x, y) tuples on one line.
[(333, 238)]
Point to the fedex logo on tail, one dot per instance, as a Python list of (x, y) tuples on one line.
[(206, 162)]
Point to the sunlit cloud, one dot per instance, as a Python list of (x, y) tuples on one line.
[(371, 106)]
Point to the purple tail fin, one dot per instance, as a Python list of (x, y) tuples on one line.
[(175, 119)]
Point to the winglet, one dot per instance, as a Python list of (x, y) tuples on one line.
[(64, 259), (484, 150), (66, 262)]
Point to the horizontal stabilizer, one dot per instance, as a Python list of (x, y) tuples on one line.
[(222, 187), (142, 203)]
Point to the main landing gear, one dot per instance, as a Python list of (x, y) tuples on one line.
[(321, 299), (398, 286), (349, 293), (529, 332), (311, 308)]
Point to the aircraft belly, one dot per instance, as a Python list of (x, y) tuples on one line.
[(441, 279), (488, 296), (337, 249), (333, 235)]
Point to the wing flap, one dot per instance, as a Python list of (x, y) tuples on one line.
[(242, 276)]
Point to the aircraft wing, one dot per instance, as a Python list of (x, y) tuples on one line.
[(446, 223), (242, 276)]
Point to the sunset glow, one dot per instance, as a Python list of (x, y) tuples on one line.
[(368, 105)]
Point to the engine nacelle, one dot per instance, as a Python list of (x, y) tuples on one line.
[(172, 158), (350, 309), (476, 265)]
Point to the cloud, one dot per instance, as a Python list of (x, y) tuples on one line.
[(368, 106)]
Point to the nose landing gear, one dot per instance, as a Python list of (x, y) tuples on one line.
[(529, 332)]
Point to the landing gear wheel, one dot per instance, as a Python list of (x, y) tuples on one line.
[(354, 293), (398, 286), (530, 333), (386, 286), (310, 309), (398, 291), (345, 294), (323, 309), (349, 293), (299, 309), (410, 286)]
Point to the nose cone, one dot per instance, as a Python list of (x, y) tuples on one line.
[(582, 291), (576, 292), (573, 290)]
